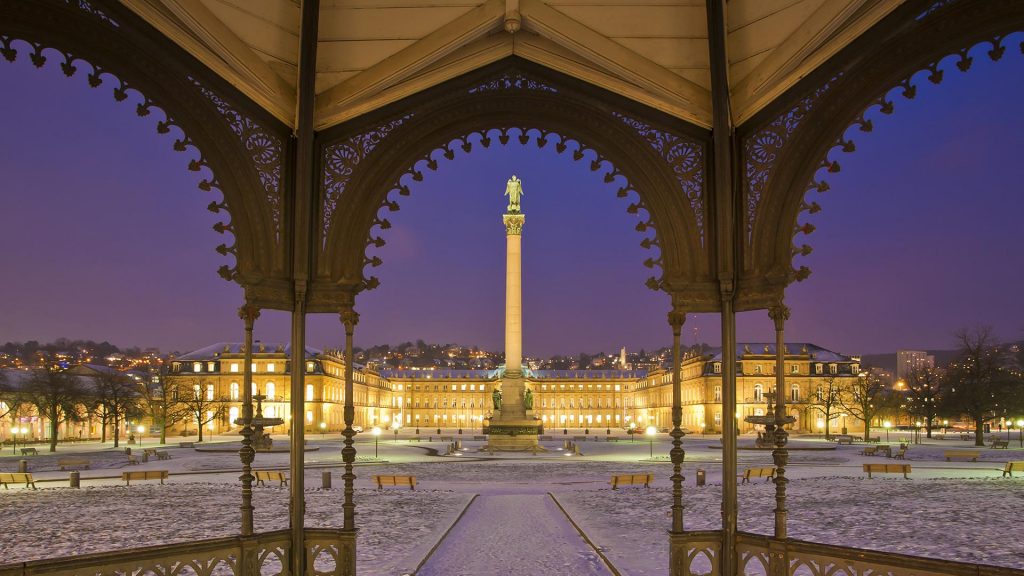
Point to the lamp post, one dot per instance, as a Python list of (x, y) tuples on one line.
[(376, 438), (651, 431), (1020, 431), (140, 429), (632, 431), (14, 437), (323, 429), (395, 425), (887, 425)]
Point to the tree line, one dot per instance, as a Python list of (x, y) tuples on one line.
[(984, 383)]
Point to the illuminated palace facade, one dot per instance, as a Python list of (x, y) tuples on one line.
[(577, 399)]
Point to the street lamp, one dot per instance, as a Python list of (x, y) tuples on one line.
[(886, 425), (14, 437), (140, 430), (632, 431), (376, 438), (395, 425), (1020, 431), (651, 431), (323, 429)]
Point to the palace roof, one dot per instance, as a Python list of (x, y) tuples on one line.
[(215, 351)]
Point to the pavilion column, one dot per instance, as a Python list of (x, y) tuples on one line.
[(677, 546), (298, 440), (349, 318), (730, 506), (248, 314), (779, 314)]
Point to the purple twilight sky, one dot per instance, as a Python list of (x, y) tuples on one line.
[(105, 236)]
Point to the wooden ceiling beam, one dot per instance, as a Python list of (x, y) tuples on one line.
[(192, 26), (616, 58), (333, 103), (823, 34)]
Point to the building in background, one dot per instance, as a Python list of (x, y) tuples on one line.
[(909, 360)]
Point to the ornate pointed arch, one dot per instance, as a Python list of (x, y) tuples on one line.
[(788, 150), (658, 162), (238, 149)]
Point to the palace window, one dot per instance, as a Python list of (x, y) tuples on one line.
[(270, 367), (817, 368), (270, 390), (718, 393), (794, 369), (833, 369), (758, 393), (232, 415), (309, 392), (234, 392), (234, 366), (209, 391), (717, 367), (757, 369), (819, 393), (211, 367), (794, 393), (197, 366)]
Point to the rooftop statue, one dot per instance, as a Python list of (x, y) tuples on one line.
[(514, 190)]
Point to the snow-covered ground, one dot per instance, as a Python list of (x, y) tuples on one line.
[(952, 510)]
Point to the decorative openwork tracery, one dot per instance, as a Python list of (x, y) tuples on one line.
[(88, 8), (264, 148), (340, 161), (685, 156), (96, 76), (762, 148), (512, 80)]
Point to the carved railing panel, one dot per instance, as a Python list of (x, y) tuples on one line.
[(328, 552), (762, 555)]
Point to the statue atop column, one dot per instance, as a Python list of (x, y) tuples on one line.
[(514, 191)]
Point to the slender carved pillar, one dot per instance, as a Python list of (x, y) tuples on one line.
[(779, 314), (730, 507), (248, 314), (298, 431), (350, 318), (676, 319)]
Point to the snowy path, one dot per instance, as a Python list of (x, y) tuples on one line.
[(513, 534)]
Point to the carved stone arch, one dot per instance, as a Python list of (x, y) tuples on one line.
[(368, 164), (118, 51), (908, 47)]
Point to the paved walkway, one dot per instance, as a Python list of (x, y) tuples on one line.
[(514, 534)]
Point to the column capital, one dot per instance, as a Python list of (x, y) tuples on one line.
[(248, 313), (779, 314), (349, 317), (513, 224), (676, 319)]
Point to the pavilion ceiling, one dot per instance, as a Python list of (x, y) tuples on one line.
[(373, 52)]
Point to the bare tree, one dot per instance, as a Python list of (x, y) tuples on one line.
[(57, 396), (827, 400), (160, 401), (10, 400), (118, 394), (200, 403), (981, 381), (924, 391), (864, 398)]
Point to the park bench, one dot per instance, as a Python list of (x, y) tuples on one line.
[(997, 443), (479, 437), (262, 476), (17, 478), (149, 451), (160, 475), (447, 439), (1012, 467), (972, 454), (844, 440), (762, 472), (65, 463), (27, 451), (132, 459), (636, 479), (900, 454), (874, 439), (966, 436), (186, 444), (163, 455), (869, 451), (579, 438), (887, 469), (383, 481), (611, 438)]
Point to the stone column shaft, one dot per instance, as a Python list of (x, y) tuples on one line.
[(513, 293)]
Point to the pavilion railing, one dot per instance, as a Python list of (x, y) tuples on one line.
[(329, 553), (697, 553)]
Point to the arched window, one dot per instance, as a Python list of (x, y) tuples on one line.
[(758, 392), (794, 393), (232, 415), (234, 393), (270, 390), (309, 392), (718, 393)]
